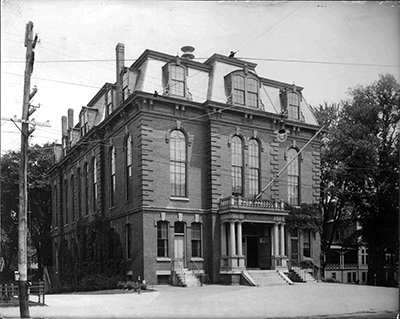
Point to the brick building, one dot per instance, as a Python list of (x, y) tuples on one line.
[(173, 155)]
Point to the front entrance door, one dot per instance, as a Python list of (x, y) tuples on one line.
[(252, 251), (179, 252)]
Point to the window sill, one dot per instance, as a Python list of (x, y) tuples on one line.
[(180, 199), (164, 259), (197, 259)]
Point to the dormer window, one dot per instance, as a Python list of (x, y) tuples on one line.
[(242, 88), (110, 101), (84, 122), (174, 80), (290, 100), (294, 106)]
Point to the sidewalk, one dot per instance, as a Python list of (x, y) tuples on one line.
[(215, 301)]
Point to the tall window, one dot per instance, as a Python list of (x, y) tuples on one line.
[(86, 188), (177, 80), (243, 88), (293, 178), (254, 167), (94, 189), (55, 206), (128, 172), (128, 238), (66, 200), (294, 106), (110, 101), (78, 191), (162, 239), (178, 163), (112, 176), (237, 165), (73, 197), (252, 92), (84, 122), (306, 243), (196, 240), (294, 242), (238, 89)]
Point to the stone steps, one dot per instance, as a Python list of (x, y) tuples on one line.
[(267, 278), (188, 279)]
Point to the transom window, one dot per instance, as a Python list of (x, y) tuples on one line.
[(178, 163), (293, 178), (237, 165), (242, 88), (254, 167)]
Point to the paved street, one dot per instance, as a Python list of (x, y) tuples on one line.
[(320, 300)]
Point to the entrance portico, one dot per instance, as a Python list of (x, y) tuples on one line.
[(252, 235)]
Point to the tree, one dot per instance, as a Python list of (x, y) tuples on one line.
[(335, 204), (361, 165), (39, 203)]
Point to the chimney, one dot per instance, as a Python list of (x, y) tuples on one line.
[(120, 57), (187, 52), (64, 126), (70, 118)]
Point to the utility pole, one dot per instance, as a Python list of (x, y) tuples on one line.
[(23, 296)]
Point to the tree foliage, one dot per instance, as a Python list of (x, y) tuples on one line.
[(39, 203), (99, 255), (307, 216), (360, 167)]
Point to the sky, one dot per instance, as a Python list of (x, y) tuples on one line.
[(325, 47)]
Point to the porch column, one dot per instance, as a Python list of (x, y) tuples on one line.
[(239, 239), (282, 239), (223, 239), (276, 240), (232, 251)]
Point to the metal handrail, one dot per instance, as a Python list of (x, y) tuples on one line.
[(201, 282)]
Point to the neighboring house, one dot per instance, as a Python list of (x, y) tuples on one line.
[(173, 155), (347, 259)]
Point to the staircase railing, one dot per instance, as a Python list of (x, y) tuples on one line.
[(295, 266), (177, 268), (200, 274)]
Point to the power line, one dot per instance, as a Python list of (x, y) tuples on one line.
[(271, 27), (243, 58)]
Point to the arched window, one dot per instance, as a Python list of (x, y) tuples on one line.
[(94, 189), (254, 167), (242, 87), (237, 165), (293, 178), (162, 239), (238, 89), (112, 176), (178, 163), (294, 105), (252, 92), (128, 171)]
